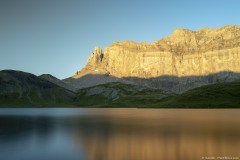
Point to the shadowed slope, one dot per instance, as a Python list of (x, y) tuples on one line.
[(222, 95), (110, 94), (57, 81), (164, 82), (92, 79), (20, 89)]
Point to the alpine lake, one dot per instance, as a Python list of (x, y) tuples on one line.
[(119, 134)]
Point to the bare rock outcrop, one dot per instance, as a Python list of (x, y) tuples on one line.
[(185, 53)]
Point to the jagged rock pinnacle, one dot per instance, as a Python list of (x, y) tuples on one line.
[(97, 50)]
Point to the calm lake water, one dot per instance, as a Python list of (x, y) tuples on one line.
[(119, 134)]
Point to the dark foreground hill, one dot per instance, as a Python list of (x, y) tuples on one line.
[(222, 95), (20, 89)]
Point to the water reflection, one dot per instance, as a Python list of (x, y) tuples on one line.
[(104, 140), (37, 138), (120, 134)]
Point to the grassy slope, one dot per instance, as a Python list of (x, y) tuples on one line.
[(144, 98), (223, 95), (84, 100), (46, 94), (129, 96), (46, 98), (20, 89)]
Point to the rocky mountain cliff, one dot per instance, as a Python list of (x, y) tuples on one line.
[(184, 60)]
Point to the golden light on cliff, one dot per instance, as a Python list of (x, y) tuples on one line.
[(184, 60)]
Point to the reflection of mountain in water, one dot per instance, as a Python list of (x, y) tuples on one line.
[(118, 139), (118, 134)]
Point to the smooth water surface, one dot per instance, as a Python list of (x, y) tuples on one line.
[(119, 134)]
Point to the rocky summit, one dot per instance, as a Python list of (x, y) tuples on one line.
[(184, 60)]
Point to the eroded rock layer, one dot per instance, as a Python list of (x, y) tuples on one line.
[(184, 53)]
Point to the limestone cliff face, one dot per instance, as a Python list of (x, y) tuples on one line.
[(184, 53)]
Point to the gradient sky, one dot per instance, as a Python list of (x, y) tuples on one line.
[(58, 36)]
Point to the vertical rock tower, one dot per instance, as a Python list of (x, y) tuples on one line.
[(94, 63), (96, 57)]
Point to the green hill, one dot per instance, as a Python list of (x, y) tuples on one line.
[(222, 95), (20, 89), (118, 95)]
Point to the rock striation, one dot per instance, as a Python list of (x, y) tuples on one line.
[(184, 60)]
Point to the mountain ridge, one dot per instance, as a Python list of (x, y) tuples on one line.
[(22, 89), (184, 53), (168, 70), (57, 81)]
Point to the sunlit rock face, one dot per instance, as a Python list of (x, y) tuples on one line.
[(94, 63), (184, 53)]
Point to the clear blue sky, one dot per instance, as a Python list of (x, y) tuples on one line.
[(58, 36)]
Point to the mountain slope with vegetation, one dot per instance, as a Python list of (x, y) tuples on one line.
[(57, 81), (20, 89), (221, 95), (117, 95)]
